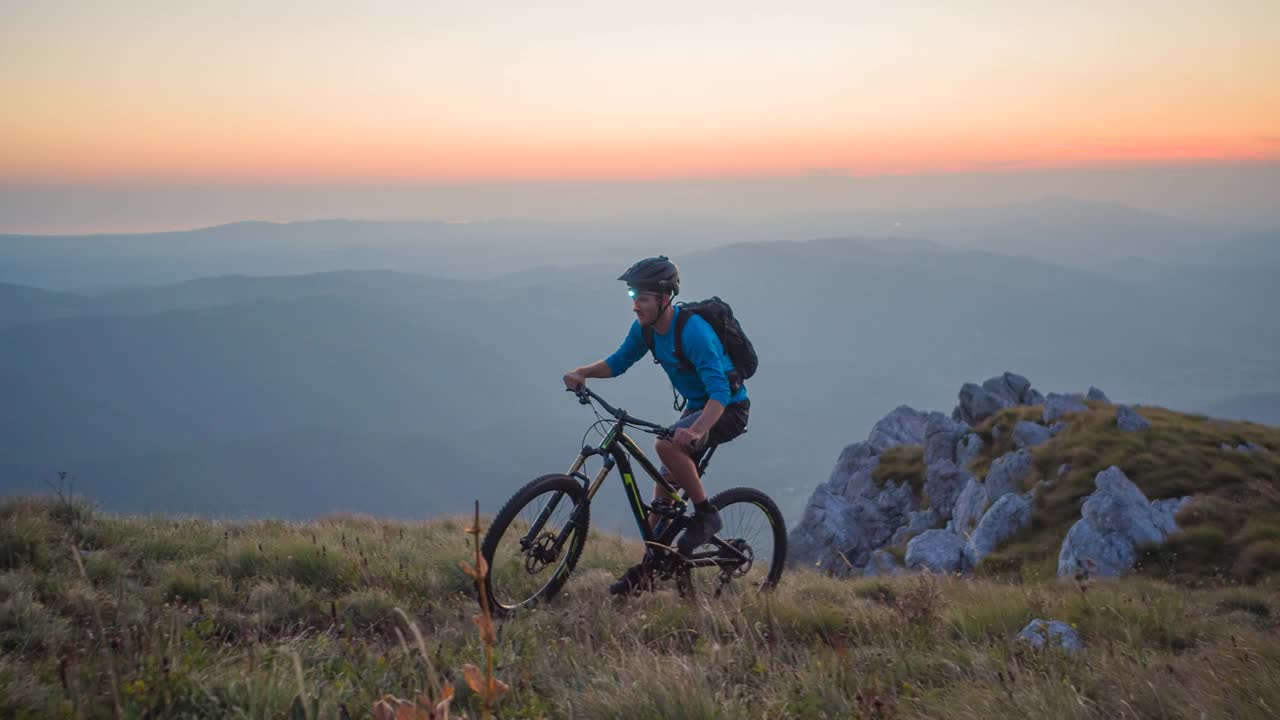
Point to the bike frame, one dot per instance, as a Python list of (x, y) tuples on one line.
[(618, 449)]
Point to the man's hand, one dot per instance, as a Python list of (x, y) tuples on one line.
[(575, 379), (688, 439)]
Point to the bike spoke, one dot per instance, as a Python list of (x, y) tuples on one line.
[(747, 528), (518, 574)]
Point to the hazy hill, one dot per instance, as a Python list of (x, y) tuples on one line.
[(201, 376), (1063, 230)]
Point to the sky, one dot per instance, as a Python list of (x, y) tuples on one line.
[(156, 94)]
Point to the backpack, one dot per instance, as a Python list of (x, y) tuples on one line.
[(719, 315)]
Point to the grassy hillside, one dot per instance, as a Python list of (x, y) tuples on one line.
[(103, 615)]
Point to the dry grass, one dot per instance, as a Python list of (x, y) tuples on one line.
[(904, 463), (245, 620)]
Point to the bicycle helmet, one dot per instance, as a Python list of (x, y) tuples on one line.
[(656, 274)]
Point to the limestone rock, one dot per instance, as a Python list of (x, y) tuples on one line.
[(942, 435), (937, 550), (969, 447), (1002, 521), (1055, 406), (1128, 419), (1054, 632), (1027, 434), (1009, 474), (1116, 519)]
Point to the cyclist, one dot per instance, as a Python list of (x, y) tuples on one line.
[(716, 410)]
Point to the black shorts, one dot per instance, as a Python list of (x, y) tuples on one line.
[(732, 423)]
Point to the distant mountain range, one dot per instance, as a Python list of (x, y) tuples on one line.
[(411, 394), (1088, 235)]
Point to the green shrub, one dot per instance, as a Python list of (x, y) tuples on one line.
[(368, 607), (1212, 510), (27, 625), (1257, 530), (182, 584), (1257, 560), (23, 543), (1248, 601), (280, 606), (312, 567), (902, 464), (103, 569), (875, 590)]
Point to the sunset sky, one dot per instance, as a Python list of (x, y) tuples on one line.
[(160, 92)]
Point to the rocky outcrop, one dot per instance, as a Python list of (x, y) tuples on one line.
[(942, 486), (1009, 473), (1096, 394), (1027, 434), (850, 516), (882, 562), (1116, 519), (969, 447), (970, 505), (979, 402), (1002, 521), (956, 519), (938, 550), (1056, 406), (942, 439), (1128, 419), (1052, 632)]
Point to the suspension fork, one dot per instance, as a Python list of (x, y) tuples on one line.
[(552, 502)]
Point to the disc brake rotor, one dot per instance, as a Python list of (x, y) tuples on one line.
[(540, 554)]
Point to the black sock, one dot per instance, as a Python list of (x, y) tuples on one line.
[(704, 507)]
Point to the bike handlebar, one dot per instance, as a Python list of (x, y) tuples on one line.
[(585, 396)]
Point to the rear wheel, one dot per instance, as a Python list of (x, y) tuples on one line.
[(754, 527), (524, 567)]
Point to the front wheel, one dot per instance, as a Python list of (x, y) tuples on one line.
[(753, 525), (534, 543)]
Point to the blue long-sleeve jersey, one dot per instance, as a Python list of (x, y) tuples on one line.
[(711, 365)]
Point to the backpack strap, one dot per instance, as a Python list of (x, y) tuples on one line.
[(647, 333), (682, 319)]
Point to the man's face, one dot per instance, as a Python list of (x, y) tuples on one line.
[(646, 304)]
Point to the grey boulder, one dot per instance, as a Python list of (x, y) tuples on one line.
[(1002, 521), (1128, 419), (967, 448), (1009, 474), (942, 436), (1116, 519), (970, 506), (881, 562), (1052, 632), (1096, 394), (937, 550), (942, 486), (1056, 406), (903, 425), (1027, 434)]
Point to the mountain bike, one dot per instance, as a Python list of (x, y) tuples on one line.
[(536, 539)]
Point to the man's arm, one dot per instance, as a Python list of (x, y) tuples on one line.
[(711, 412), (631, 350), (576, 376)]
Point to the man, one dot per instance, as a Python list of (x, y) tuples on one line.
[(716, 411)]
